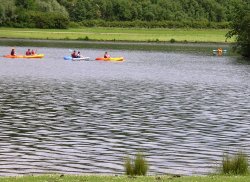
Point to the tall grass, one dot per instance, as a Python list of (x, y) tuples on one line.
[(235, 165), (138, 166)]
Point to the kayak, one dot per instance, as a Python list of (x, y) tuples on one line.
[(110, 59), (76, 59), (219, 52), (24, 56), (10, 56), (34, 56)]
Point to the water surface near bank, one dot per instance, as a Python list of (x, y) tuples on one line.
[(182, 110), (179, 47)]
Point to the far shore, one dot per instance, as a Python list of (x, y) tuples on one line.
[(185, 47), (195, 41), (120, 34)]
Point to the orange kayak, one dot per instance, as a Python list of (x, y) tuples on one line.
[(110, 59), (10, 56), (24, 56)]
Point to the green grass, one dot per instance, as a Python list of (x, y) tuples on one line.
[(119, 34), (235, 165), (99, 178), (137, 166)]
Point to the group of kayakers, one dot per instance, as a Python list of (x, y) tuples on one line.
[(28, 52), (78, 54)]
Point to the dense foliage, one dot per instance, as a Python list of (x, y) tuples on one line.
[(33, 13), (149, 10), (27, 13), (241, 29)]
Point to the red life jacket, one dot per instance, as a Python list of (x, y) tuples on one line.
[(28, 53)]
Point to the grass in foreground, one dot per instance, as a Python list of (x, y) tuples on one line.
[(137, 166), (235, 165), (119, 34), (98, 178)]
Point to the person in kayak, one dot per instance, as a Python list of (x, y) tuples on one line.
[(219, 50), (28, 52), (79, 54), (12, 53), (74, 55), (106, 55), (33, 52)]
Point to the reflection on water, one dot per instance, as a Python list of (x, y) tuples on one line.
[(183, 111)]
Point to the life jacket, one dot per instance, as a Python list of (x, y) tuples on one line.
[(219, 52), (106, 56), (28, 53)]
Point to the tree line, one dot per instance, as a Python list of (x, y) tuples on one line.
[(151, 10), (145, 13)]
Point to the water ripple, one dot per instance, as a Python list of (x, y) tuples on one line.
[(182, 115)]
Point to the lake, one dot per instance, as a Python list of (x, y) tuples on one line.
[(183, 111)]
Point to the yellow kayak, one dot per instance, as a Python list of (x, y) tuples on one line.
[(34, 56), (110, 59)]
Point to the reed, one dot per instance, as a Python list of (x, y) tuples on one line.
[(235, 165), (138, 166)]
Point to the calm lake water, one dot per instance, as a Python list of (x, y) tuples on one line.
[(183, 111)]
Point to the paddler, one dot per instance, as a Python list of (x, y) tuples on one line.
[(13, 53), (79, 54), (74, 55), (219, 51), (106, 55), (28, 53)]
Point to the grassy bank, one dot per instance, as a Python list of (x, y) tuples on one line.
[(119, 34), (96, 178)]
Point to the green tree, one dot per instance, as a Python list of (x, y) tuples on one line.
[(26, 4), (241, 29)]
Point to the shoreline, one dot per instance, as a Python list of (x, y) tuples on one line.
[(183, 47), (119, 42), (122, 178)]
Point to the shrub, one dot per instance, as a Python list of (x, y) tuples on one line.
[(172, 40), (128, 167), (34, 19), (74, 25), (138, 166), (235, 165)]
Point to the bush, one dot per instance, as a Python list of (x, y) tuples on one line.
[(172, 40), (32, 19), (138, 166), (74, 25), (235, 165)]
